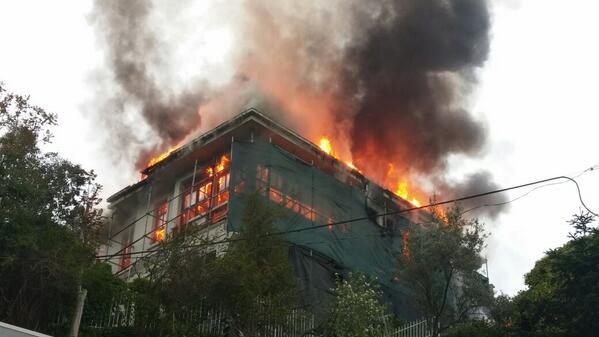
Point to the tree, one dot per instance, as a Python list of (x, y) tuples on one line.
[(439, 265), (357, 311), (562, 298), (48, 215), (503, 311), (179, 279), (256, 281), (252, 281), (103, 288)]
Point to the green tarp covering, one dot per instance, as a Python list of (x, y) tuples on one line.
[(311, 197)]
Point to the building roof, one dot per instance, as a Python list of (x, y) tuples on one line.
[(226, 128)]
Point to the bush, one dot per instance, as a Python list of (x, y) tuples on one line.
[(358, 311), (483, 329), (108, 332)]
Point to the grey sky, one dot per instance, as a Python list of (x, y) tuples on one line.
[(538, 97)]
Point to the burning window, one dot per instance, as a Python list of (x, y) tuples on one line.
[(196, 200), (285, 199), (222, 188), (125, 257), (293, 204), (307, 212), (276, 196), (160, 220), (262, 178), (210, 190)]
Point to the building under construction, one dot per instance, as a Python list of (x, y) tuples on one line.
[(205, 183)]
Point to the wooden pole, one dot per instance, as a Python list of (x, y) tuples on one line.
[(76, 320)]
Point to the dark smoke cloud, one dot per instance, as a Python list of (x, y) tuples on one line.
[(408, 76), (388, 79), (476, 183), (132, 49), (410, 72)]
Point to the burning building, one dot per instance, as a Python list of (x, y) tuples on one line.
[(205, 183)]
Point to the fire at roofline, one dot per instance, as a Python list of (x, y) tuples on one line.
[(386, 83)]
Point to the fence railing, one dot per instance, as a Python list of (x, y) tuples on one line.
[(210, 320), (420, 328), (215, 320)]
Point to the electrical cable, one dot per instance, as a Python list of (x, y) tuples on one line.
[(532, 190), (434, 204)]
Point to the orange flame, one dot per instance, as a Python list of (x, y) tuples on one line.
[(159, 234), (222, 164), (155, 160), (401, 189), (402, 192), (325, 145), (352, 166)]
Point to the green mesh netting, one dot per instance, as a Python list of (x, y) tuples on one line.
[(311, 197)]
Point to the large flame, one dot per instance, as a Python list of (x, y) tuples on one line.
[(402, 192), (391, 178), (325, 145), (399, 185), (155, 160), (220, 166)]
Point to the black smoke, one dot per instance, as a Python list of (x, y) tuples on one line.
[(393, 78), (409, 76), (132, 49), (411, 73)]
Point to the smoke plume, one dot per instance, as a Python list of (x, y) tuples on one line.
[(388, 80)]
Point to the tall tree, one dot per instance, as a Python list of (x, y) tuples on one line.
[(562, 298), (256, 277), (440, 266), (48, 215)]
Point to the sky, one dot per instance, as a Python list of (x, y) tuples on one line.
[(537, 97)]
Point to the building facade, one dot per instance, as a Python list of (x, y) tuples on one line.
[(331, 210)]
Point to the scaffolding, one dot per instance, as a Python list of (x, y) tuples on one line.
[(214, 198)]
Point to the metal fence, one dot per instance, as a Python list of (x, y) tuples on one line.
[(210, 320), (420, 328), (215, 320)]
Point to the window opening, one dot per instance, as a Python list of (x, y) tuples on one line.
[(126, 257), (211, 191), (159, 228)]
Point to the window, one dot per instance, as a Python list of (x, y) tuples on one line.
[(126, 257), (160, 220), (262, 178), (210, 190), (222, 188), (196, 200), (405, 244)]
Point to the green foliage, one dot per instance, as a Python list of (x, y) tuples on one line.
[(48, 219), (107, 332), (256, 268), (562, 298), (102, 289), (482, 329), (252, 281), (358, 311), (502, 311), (440, 267)]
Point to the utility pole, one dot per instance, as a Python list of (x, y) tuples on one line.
[(86, 223), (76, 319)]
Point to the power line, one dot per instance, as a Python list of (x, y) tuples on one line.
[(407, 210), (580, 173)]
